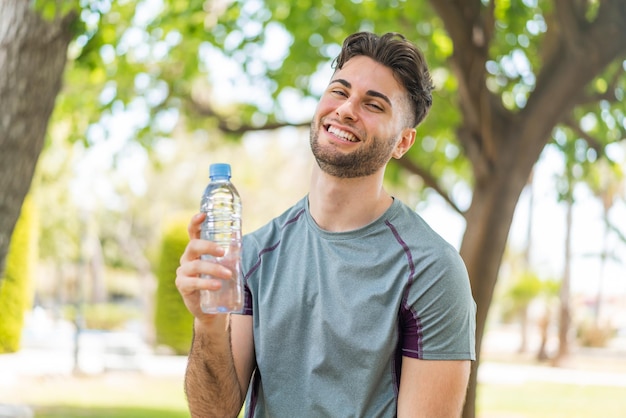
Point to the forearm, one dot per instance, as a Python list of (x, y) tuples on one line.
[(211, 382)]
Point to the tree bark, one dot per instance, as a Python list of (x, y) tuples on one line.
[(488, 222), (503, 146), (32, 58)]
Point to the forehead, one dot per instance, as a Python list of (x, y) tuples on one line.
[(365, 74)]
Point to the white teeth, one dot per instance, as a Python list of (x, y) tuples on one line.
[(342, 134)]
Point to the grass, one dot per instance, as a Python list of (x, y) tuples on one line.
[(550, 400), (112, 395), (132, 395), (103, 412)]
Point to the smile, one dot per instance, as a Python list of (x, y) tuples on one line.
[(342, 134)]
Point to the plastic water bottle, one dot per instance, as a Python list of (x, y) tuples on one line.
[(222, 205)]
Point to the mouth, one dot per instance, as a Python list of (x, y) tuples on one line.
[(340, 133)]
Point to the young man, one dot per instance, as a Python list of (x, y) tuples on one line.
[(354, 306)]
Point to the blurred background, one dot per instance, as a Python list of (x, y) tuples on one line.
[(112, 112)]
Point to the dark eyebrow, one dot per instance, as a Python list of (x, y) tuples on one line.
[(372, 93)]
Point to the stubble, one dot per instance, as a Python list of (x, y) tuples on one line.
[(362, 162)]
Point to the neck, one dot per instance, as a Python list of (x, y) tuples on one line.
[(339, 204)]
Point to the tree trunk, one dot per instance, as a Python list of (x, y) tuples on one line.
[(527, 265), (544, 325), (565, 310), (603, 261), (488, 222), (523, 346), (32, 58), (502, 145), (97, 270)]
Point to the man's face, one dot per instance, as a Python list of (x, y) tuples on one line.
[(358, 124)]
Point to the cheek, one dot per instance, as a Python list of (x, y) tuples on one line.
[(324, 106)]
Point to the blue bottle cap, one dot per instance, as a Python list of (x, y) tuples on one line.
[(219, 170)]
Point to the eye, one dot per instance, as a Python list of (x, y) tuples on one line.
[(340, 93), (375, 106)]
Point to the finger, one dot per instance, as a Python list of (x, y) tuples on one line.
[(197, 247), (193, 229), (188, 285), (197, 267)]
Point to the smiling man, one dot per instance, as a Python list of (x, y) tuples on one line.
[(354, 306)]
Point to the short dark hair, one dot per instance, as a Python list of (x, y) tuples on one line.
[(405, 59)]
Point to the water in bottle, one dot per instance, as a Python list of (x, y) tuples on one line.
[(222, 205)]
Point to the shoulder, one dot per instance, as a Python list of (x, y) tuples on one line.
[(429, 252), (409, 226), (272, 230)]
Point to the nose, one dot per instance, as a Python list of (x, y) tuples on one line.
[(346, 111)]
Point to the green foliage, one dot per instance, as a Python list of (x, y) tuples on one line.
[(59, 230), (104, 316), (526, 288), (173, 322), (161, 63), (15, 288), (54, 9), (520, 294), (314, 31)]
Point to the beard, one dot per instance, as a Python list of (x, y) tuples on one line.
[(363, 162)]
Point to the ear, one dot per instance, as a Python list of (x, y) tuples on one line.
[(406, 141)]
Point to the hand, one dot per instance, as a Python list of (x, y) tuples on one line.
[(191, 266)]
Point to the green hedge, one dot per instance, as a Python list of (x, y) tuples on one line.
[(173, 322), (104, 316), (16, 286)]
